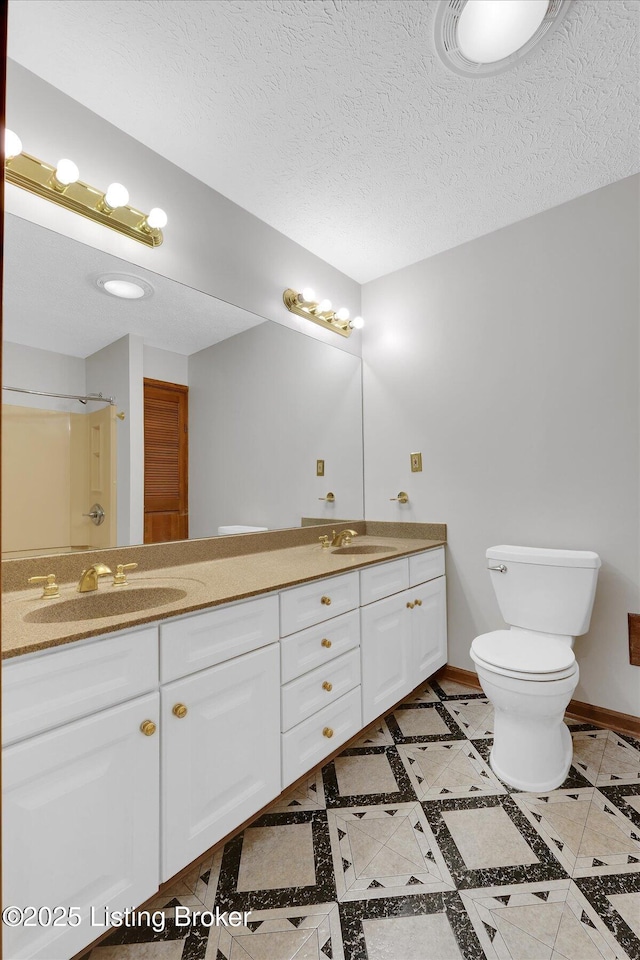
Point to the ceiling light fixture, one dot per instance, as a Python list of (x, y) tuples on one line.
[(305, 305), (62, 185), (124, 286), (479, 38)]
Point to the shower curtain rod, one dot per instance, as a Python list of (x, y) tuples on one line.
[(64, 396)]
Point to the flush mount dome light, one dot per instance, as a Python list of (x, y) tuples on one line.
[(125, 287), (479, 38)]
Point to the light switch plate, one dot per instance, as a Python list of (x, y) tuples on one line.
[(319, 468), (416, 463)]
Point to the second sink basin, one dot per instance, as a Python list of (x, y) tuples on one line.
[(355, 549), (94, 606)]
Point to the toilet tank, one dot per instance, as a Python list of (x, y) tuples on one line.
[(551, 591)]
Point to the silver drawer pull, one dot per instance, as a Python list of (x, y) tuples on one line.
[(499, 569)]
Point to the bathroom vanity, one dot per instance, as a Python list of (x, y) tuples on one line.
[(127, 755)]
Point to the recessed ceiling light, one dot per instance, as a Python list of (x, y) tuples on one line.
[(484, 37), (125, 287)]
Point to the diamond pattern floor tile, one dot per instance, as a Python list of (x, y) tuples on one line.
[(407, 846)]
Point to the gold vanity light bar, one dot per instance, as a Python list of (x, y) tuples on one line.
[(305, 305), (48, 182)]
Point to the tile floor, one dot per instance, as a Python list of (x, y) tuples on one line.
[(408, 847)]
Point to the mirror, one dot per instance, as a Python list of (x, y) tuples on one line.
[(258, 403)]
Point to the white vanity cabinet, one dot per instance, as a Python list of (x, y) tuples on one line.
[(404, 635), (220, 725), (80, 800), (100, 807), (220, 758)]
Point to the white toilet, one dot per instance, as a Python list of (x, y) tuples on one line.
[(529, 672)]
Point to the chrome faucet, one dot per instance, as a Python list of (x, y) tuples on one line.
[(89, 578), (343, 537)]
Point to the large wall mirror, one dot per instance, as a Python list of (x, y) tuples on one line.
[(219, 416)]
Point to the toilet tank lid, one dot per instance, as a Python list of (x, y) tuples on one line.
[(542, 555)]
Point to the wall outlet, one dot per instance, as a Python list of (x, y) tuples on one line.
[(416, 463), (319, 468)]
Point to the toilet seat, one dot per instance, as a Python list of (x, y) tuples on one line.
[(524, 655)]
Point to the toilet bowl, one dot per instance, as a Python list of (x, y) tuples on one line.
[(532, 748), (529, 672)]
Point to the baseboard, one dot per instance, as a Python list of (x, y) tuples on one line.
[(457, 675), (577, 710)]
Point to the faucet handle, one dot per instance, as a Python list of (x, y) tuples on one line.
[(325, 541), (51, 588), (120, 577)]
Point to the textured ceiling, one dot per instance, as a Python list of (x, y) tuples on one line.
[(334, 120), (59, 307)]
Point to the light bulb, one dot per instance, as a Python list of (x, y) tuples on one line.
[(357, 323), (308, 295), (116, 196), (66, 172), (156, 218), (490, 30), (12, 145), (324, 306), (342, 314)]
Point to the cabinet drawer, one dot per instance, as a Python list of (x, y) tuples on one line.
[(73, 681), (193, 643), (310, 648), (306, 745), (305, 696), (318, 601), (383, 580), (426, 566)]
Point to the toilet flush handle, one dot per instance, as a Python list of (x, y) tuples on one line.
[(499, 569)]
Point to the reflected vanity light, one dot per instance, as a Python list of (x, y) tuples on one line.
[(61, 185), (306, 305)]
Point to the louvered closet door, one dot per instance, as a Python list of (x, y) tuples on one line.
[(166, 514)]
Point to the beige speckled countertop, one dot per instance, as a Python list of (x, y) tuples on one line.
[(206, 583)]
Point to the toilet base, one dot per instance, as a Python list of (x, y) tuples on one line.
[(532, 746), (530, 787)]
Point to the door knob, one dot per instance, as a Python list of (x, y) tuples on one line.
[(401, 498), (326, 643), (327, 686), (326, 601), (148, 727), (179, 711)]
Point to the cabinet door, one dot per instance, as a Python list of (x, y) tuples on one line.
[(387, 658), (220, 762), (80, 825), (429, 628)]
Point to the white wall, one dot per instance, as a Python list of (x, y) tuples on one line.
[(116, 370), (35, 369), (210, 243), (263, 407), (511, 362), (165, 365)]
